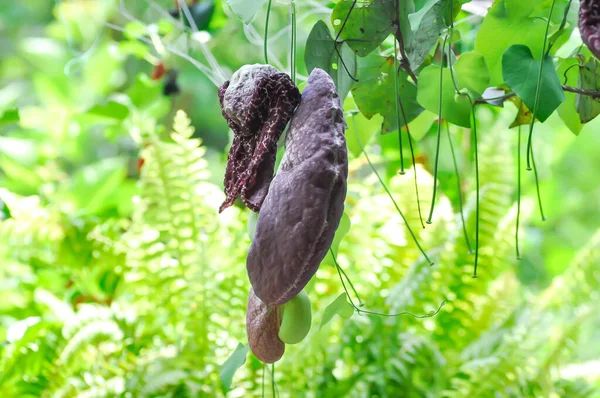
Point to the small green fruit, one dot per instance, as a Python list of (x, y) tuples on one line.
[(297, 319)]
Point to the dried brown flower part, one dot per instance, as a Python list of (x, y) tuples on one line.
[(262, 325), (257, 103), (305, 202)]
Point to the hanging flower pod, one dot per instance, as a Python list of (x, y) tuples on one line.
[(262, 325), (257, 103), (305, 201), (589, 25)]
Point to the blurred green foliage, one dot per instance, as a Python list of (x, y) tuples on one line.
[(119, 279)]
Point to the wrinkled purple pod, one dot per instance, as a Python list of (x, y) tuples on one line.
[(589, 25), (262, 325), (302, 210)]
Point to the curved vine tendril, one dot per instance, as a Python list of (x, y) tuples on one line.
[(362, 311), (412, 234), (396, 89), (265, 46)]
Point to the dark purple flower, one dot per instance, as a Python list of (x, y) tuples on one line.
[(589, 25)]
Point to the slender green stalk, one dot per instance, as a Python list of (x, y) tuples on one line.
[(273, 379), (412, 155), (518, 193), (360, 302), (538, 88), (476, 150), (361, 311), (400, 148), (478, 200), (459, 190), (537, 187), (412, 234), (293, 43), (439, 134), (265, 46)]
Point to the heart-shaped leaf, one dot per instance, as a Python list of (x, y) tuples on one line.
[(375, 94), (364, 26), (455, 108), (231, 365), (589, 79), (245, 9), (321, 53), (339, 306), (472, 73), (520, 71)]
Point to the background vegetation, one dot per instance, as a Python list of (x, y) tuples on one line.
[(119, 279)]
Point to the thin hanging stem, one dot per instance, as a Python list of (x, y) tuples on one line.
[(538, 88), (266, 43), (293, 43), (439, 134), (273, 378), (360, 302), (412, 234), (518, 193), (458, 187), (537, 187), (474, 127), (396, 89), (362, 311), (412, 155)]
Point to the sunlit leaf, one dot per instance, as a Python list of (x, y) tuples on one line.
[(231, 365), (321, 53), (245, 9), (339, 306), (520, 71)]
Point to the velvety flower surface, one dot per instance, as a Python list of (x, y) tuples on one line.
[(257, 103), (589, 25), (302, 210)]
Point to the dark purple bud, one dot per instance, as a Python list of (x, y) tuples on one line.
[(589, 25), (257, 103), (302, 210)]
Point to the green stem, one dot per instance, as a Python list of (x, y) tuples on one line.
[(267, 32), (538, 88), (460, 201), (518, 193), (396, 71), (293, 44), (537, 187), (361, 311), (439, 135), (412, 234), (477, 193)]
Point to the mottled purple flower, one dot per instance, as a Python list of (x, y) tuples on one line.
[(257, 103), (589, 25)]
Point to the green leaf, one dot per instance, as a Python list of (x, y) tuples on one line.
[(524, 115), (135, 29), (455, 108), (365, 128), (472, 73), (321, 53), (231, 365), (245, 9), (96, 185), (416, 18), (421, 41), (520, 71), (367, 24), (339, 306), (506, 24), (8, 117), (568, 109), (4, 211), (341, 231), (589, 79), (374, 93), (110, 110)]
